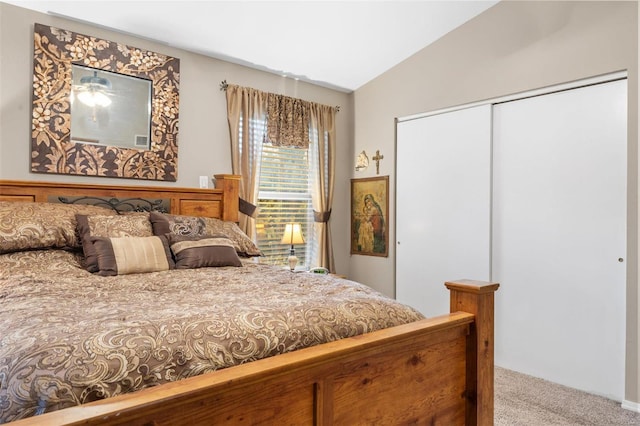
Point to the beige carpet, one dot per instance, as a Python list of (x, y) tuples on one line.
[(525, 400)]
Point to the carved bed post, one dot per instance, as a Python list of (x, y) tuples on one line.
[(477, 298), (231, 186)]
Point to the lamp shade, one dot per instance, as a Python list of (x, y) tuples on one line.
[(292, 234)]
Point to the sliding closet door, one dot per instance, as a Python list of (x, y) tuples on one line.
[(559, 236), (442, 205)]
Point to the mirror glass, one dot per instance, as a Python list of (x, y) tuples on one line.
[(109, 108)]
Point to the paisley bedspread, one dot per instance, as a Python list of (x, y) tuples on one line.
[(68, 337)]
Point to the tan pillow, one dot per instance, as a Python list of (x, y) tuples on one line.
[(244, 245), (130, 225), (199, 252), (131, 255), (27, 226)]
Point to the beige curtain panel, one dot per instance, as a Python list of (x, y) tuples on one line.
[(246, 105), (323, 153)]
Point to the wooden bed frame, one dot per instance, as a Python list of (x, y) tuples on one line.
[(435, 371)]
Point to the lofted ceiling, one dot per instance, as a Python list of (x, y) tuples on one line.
[(336, 44)]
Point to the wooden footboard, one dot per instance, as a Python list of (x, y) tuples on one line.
[(434, 371)]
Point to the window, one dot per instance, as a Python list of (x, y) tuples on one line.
[(297, 182), (284, 196)]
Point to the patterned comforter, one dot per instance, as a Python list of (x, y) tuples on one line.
[(68, 337)]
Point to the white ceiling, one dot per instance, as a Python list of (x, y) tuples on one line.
[(336, 44)]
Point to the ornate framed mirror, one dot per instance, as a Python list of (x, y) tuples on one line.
[(110, 108), (102, 108)]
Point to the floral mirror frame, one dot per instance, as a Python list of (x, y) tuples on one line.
[(52, 151)]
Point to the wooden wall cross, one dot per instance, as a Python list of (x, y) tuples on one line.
[(377, 159)]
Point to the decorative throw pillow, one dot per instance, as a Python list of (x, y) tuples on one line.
[(199, 252), (200, 226), (28, 226), (244, 245), (176, 224), (130, 225), (131, 255)]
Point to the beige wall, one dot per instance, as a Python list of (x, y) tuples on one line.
[(510, 48), (204, 147)]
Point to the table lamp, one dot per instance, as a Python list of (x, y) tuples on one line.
[(292, 235)]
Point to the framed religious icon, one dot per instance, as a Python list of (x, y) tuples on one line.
[(370, 216)]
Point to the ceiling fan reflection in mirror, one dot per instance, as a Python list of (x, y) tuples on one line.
[(92, 90)]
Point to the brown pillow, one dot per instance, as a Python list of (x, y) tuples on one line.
[(131, 225), (176, 224), (28, 226), (130, 255), (199, 252)]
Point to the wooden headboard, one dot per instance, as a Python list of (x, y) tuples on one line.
[(221, 202)]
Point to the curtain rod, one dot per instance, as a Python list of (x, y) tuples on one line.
[(224, 85)]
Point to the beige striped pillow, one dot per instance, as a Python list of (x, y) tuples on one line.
[(131, 255), (130, 225)]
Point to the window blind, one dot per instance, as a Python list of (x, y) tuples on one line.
[(284, 196)]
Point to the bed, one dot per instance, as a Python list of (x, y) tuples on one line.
[(144, 348)]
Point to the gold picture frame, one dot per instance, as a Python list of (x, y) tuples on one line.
[(370, 216)]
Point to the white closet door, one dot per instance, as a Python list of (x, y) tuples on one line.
[(559, 230), (442, 205)]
